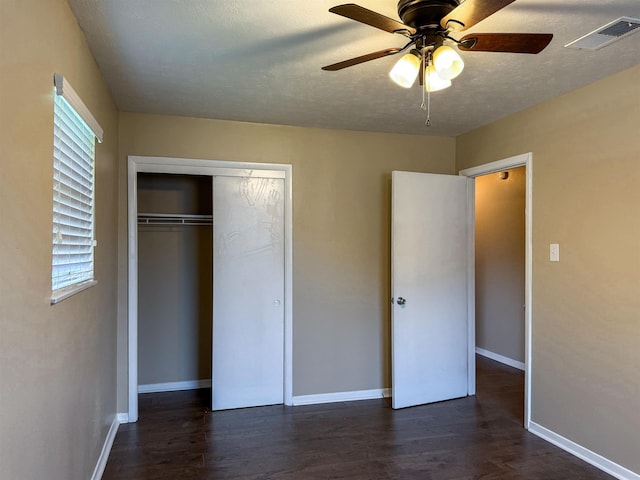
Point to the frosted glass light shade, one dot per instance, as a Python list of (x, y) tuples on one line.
[(405, 71), (447, 62), (434, 82)]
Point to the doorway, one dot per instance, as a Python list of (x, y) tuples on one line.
[(524, 160), (499, 265), (212, 169)]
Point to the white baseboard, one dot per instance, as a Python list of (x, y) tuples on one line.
[(106, 448), (598, 461), (341, 396), (174, 386), (501, 358)]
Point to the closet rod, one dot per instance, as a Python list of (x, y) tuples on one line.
[(174, 219)]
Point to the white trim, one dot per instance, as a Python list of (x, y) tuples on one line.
[(192, 166), (122, 418), (497, 166), (69, 94), (341, 396), (471, 287), (501, 358), (195, 166), (63, 293), (174, 386), (528, 289), (526, 160), (106, 448), (288, 287), (583, 453), (132, 280)]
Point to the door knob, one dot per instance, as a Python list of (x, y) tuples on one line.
[(401, 301)]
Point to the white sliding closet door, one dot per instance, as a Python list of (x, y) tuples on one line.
[(248, 292)]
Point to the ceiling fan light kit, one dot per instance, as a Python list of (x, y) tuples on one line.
[(433, 81), (405, 71), (428, 24), (447, 62)]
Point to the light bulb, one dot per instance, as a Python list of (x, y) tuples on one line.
[(434, 82), (447, 62), (405, 71)]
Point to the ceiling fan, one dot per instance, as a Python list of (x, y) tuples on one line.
[(428, 24)]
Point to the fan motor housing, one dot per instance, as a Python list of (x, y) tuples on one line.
[(425, 13)]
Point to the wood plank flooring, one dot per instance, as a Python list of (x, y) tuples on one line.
[(480, 437)]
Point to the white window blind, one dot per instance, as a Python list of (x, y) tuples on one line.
[(73, 195)]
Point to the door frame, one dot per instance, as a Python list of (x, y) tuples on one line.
[(526, 160), (191, 166)]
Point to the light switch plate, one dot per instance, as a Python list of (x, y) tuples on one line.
[(554, 252)]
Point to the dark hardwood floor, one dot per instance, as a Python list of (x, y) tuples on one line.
[(480, 437)]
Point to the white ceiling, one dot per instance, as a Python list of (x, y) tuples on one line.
[(259, 61)]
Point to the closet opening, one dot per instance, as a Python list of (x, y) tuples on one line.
[(175, 286)]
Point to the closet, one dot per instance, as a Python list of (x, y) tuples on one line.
[(175, 272), (211, 275)]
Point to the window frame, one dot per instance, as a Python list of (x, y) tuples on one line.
[(64, 91)]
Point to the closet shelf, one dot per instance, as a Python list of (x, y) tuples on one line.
[(173, 219)]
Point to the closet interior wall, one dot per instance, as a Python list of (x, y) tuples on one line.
[(174, 280)]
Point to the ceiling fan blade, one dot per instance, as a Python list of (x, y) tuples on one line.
[(369, 17), (471, 12), (362, 59), (505, 42)]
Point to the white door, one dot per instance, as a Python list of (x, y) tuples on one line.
[(248, 292), (431, 241)]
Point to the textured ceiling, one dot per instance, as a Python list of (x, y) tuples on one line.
[(260, 62)]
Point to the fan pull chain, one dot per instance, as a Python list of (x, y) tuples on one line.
[(426, 107), (423, 66), (428, 122)]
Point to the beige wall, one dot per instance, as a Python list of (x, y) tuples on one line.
[(586, 308), (500, 274), (57, 363), (341, 192)]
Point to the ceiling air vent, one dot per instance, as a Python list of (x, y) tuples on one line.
[(607, 34)]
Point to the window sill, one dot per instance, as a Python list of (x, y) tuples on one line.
[(62, 294)]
